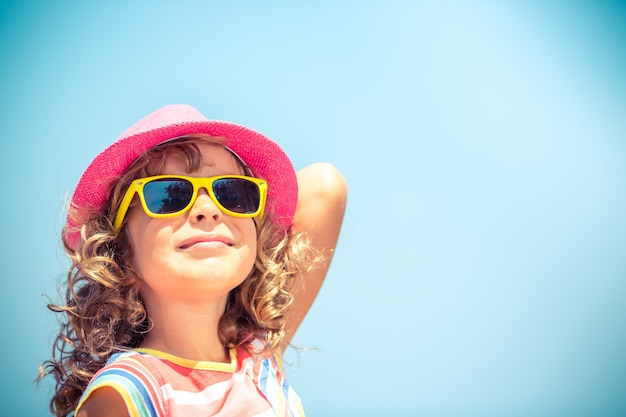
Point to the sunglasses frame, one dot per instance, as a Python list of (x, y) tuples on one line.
[(136, 187)]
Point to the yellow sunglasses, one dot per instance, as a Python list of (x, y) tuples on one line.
[(164, 196)]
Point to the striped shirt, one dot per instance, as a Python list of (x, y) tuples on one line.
[(156, 384)]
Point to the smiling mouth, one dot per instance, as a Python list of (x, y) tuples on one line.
[(206, 244)]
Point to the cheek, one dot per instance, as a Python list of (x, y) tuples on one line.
[(142, 240), (251, 243), (138, 256)]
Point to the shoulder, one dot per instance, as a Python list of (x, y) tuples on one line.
[(269, 378), (125, 386), (103, 402), (260, 363)]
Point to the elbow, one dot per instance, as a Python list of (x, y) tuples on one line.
[(330, 184)]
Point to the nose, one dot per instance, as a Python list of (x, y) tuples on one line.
[(204, 208)]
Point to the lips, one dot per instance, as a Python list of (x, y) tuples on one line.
[(209, 241)]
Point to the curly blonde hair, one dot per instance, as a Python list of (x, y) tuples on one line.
[(103, 311)]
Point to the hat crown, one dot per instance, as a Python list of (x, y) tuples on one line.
[(167, 116)]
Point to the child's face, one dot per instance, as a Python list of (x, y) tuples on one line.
[(201, 254)]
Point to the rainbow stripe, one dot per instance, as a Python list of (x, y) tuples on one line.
[(156, 384)]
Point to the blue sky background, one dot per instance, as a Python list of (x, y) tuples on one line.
[(481, 267)]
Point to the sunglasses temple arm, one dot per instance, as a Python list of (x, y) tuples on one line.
[(121, 211)]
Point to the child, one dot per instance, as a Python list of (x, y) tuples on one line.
[(196, 252)]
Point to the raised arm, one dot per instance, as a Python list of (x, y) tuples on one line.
[(319, 212)]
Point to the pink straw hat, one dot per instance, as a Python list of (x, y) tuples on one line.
[(266, 159)]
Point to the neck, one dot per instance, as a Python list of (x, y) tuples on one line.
[(188, 331)]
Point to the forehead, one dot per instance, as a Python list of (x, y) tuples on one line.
[(214, 158)]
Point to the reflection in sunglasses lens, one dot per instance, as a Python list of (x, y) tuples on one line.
[(238, 195), (167, 196)]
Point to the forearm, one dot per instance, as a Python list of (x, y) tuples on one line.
[(319, 213)]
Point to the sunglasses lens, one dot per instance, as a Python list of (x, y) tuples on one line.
[(237, 194), (165, 196)]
